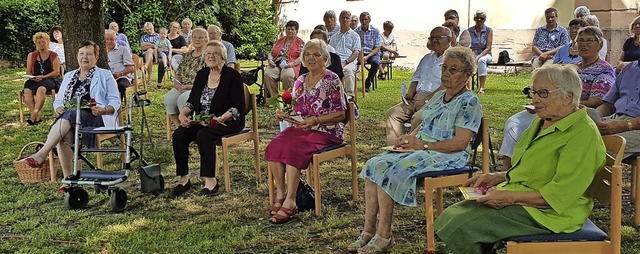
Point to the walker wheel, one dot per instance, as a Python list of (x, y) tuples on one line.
[(100, 189), (161, 183), (118, 200), (76, 198)]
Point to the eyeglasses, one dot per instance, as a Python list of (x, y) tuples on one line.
[(211, 54), (636, 25), (438, 38), (587, 41), (452, 70), (480, 18), (315, 55), (543, 93)]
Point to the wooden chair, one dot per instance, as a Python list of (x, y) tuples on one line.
[(139, 76), (330, 153), (362, 78), (606, 187), (244, 135), (21, 102), (102, 137), (453, 177), (634, 162), (366, 66)]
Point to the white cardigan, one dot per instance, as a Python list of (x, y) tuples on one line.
[(103, 89)]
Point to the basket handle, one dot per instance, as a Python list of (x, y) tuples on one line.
[(27, 145)]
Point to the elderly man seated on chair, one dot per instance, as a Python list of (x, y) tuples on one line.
[(120, 61), (544, 192), (620, 109), (424, 83), (347, 45)]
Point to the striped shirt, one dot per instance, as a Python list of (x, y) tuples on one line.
[(546, 39)]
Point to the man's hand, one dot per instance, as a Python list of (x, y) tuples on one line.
[(613, 127)]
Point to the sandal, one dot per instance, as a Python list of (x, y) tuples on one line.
[(281, 219), (372, 247), (362, 240), (32, 162), (274, 209)]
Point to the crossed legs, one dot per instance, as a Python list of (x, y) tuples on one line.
[(59, 136)]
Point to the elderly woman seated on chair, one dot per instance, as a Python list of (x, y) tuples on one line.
[(442, 142), (217, 92), (554, 162), (91, 83), (321, 104)]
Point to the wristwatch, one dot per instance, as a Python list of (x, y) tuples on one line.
[(425, 146)]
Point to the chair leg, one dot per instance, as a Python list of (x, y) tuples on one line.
[(225, 163), (270, 183), (52, 168), (354, 176), (168, 125), (99, 155), (316, 186), (428, 203), (635, 189), (21, 106), (439, 205), (256, 156)]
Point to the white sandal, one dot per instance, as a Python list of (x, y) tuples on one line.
[(372, 246), (364, 238)]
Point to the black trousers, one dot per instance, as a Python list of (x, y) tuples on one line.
[(206, 138), (123, 83)]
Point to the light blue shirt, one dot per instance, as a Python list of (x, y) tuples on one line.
[(428, 73), (345, 43)]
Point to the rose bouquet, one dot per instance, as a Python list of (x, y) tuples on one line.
[(207, 120)]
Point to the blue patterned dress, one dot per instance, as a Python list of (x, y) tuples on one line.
[(396, 173)]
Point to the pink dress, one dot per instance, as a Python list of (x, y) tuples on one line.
[(295, 146)]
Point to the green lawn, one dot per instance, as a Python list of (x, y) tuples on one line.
[(33, 220)]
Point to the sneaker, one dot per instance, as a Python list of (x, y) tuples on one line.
[(362, 240), (481, 91)]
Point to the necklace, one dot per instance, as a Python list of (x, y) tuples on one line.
[(41, 62), (313, 80), (464, 89)]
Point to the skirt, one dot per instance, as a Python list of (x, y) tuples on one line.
[(88, 120), (47, 83), (471, 228), (296, 146)]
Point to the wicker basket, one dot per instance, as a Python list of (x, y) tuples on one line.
[(35, 175)]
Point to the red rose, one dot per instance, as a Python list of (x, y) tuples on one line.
[(213, 123), (92, 102), (286, 97)]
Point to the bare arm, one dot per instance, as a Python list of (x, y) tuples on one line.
[(605, 109), (501, 198), (592, 102), (459, 142), (487, 49), (465, 39), (144, 46)]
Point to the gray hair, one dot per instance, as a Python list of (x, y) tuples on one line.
[(218, 45), (581, 11), (110, 32), (464, 55), (146, 24), (563, 76), (592, 20), (329, 14), (480, 13), (323, 49), (592, 30), (187, 21), (217, 28)]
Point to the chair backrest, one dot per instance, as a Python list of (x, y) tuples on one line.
[(250, 106), (606, 187), (482, 137)]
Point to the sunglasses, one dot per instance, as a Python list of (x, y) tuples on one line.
[(480, 18)]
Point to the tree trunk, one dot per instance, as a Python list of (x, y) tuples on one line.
[(81, 21)]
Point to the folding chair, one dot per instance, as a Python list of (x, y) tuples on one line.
[(453, 177), (606, 187), (330, 153)]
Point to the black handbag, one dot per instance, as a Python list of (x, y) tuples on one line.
[(305, 198), (503, 57)]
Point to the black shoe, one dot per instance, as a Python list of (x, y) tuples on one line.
[(30, 123), (210, 193), (366, 89), (180, 189)]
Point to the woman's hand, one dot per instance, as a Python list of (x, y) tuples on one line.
[(184, 120), (409, 142), (271, 63), (98, 111), (484, 180), (280, 115), (613, 127), (309, 122), (497, 199), (59, 111)]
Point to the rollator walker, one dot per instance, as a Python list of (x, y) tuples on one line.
[(76, 197)]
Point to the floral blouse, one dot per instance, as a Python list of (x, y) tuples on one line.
[(189, 67), (326, 97), (205, 100)]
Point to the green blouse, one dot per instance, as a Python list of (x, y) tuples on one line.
[(560, 162)]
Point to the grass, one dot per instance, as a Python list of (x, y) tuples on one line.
[(33, 220)]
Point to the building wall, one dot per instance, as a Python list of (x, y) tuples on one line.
[(513, 21)]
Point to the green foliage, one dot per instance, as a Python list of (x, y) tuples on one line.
[(249, 25), (21, 20)]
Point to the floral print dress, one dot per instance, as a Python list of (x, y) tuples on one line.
[(396, 172), (327, 97)]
